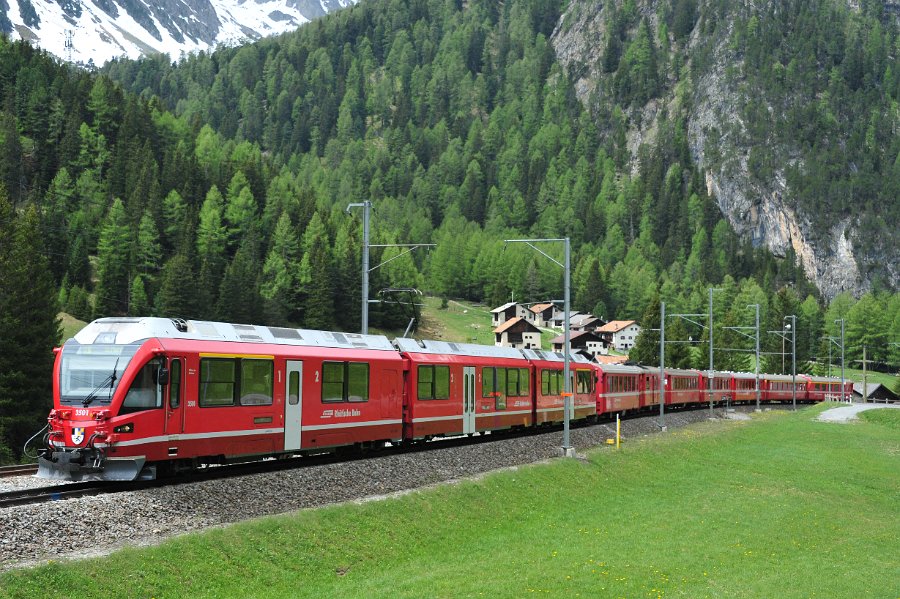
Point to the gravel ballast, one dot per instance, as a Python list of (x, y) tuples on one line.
[(91, 526)]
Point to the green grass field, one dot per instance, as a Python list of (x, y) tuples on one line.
[(70, 326), (778, 507)]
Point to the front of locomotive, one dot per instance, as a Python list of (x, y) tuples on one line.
[(101, 378)]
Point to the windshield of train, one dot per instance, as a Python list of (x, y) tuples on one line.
[(89, 374)]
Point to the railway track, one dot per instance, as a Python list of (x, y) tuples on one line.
[(18, 470), (84, 489)]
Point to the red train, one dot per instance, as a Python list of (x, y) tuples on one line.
[(141, 397)]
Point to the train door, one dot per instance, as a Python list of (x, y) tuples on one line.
[(468, 400), (293, 405), (174, 405)]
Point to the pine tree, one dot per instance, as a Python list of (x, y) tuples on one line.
[(239, 299), (279, 275), (138, 302), (29, 327), (646, 346), (175, 298), (113, 250), (11, 168)]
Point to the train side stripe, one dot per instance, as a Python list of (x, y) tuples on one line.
[(193, 436), (512, 413), (322, 427)]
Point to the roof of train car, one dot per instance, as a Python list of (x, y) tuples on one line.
[(826, 379), (552, 356), (785, 378), (426, 346), (122, 331), (680, 372), (622, 369)]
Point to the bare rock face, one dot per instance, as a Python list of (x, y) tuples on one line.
[(760, 211)]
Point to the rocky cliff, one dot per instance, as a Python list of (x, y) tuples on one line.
[(711, 100)]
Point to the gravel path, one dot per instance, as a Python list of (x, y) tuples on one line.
[(91, 526), (847, 414)]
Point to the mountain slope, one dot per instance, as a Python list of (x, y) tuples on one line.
[(95, 31), (790, 109)]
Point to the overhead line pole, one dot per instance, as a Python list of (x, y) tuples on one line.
[(566, 450), (662, 366), (841, 320), (367, 209)]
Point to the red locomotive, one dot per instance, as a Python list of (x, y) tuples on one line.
[(142, 397)]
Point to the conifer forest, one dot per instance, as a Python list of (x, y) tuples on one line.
[(215, 186)]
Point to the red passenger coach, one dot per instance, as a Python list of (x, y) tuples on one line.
[(133, 393), (782, 387), (462, 388), (620, 388), (682, 386), (721, 386), (820, 388), (549, 385), (744, 387)]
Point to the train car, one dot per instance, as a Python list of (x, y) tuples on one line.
[(743, 387), (462, 388), (619, 388), (549, 386), (718, 386), (682, 387), (649, 387), (132, 394), (821, 388), (782, 387)]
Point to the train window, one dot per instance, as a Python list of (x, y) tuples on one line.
[(294, 388), (345, 381), (512, 382), (551, 381), (426, 382), (487, 381), (175, 384), (517, 382), (144, 393), (358, 381), (332, 382), (434, 382), (442, 382), (256, 382), (584, 381), (217, 379), (493, 380)]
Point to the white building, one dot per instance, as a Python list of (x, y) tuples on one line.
[(619, 334)]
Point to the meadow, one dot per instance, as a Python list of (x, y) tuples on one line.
[(780, 505)]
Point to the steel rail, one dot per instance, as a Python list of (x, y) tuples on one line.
[(18, 470)]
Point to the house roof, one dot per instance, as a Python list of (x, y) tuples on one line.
[(611, 359), (614, 326), (875, 390), (538, 308), (584, 320), (504, 307), (573, 335), (561, 315), (513, 322)]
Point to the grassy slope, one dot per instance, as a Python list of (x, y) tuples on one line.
[(783, 506), (70, 326)]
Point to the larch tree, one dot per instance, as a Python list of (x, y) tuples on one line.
[(113, 250)]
